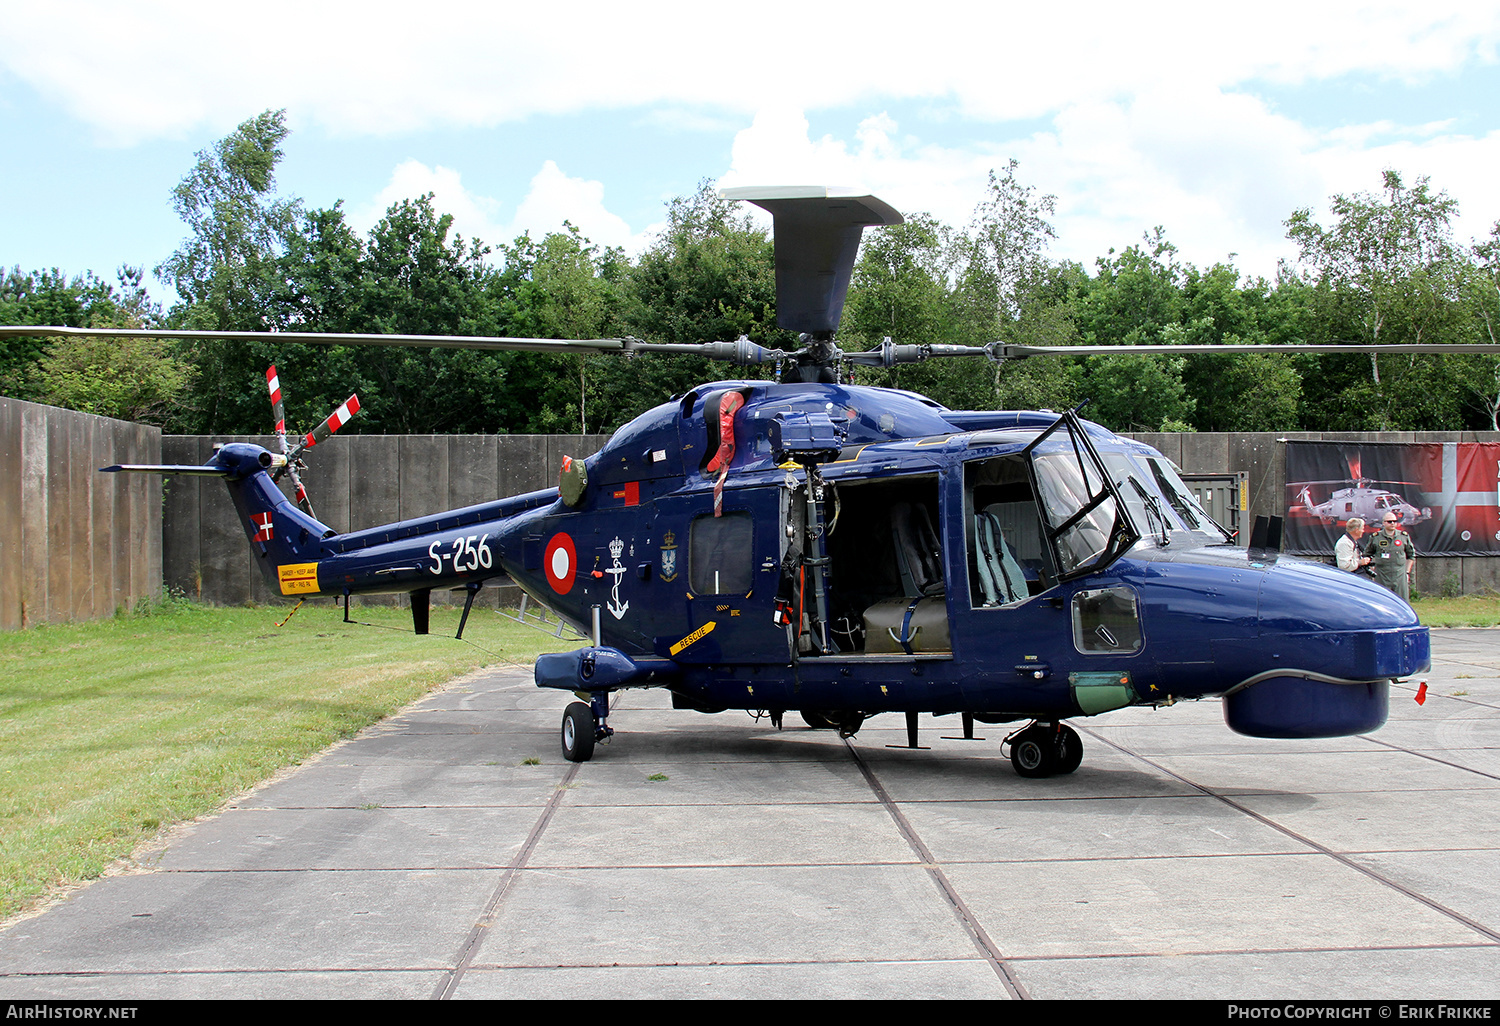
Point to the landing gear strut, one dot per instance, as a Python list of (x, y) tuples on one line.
[(1043, 749), (583, 724)]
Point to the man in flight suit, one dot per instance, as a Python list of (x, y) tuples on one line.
[(1392, 557)]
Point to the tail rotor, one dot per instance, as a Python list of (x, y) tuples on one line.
[(335, 420)]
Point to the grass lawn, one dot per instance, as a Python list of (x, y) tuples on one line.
[(1464, 611), (113, 729)]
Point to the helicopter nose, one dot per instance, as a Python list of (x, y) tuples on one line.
[(1339, 624), (1330, 643)]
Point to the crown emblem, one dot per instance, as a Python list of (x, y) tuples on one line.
[(669, 539), (615, 548)]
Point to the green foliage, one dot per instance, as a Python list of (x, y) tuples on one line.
[(1385, 270), (1137, 393), (238, 227), (50, 297), (136, 379)]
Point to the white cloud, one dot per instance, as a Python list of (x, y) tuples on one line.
[(1219, 171), (159, 67), (1138, 114), (554, 198), (551, 199), (473, 215)]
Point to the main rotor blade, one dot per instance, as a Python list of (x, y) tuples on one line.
[(541, 345), (999, 351), (741, 352)]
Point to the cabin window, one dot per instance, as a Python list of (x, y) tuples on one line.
[(1106, 620), (721, 558)]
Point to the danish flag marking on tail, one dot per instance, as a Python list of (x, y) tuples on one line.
[(263, 529)]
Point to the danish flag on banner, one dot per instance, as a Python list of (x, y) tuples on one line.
[(262, 522)]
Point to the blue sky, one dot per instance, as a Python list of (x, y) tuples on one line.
[(1214, 123)]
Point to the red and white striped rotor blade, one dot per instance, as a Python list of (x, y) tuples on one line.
[(337, 419), (273, 384), (302, 499)]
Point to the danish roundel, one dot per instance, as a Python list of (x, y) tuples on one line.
[(560, 561)]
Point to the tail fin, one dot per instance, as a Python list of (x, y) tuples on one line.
[(287, 540)]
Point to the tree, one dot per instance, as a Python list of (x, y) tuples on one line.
[(1386, 271), (565, 287), (137, 379), (238, 227), (1137, 393), (1007, 290), (1011, 235), (900, 290), (1483, 293), (709, 276), (225, 273), (414, 280), (113, 377)]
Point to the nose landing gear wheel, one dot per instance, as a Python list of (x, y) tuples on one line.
[(578, 727)]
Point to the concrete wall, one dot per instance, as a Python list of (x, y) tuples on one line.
[(353, 482), (74, 544), (1264, 456)]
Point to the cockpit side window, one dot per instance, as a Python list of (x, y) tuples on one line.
[(1008, 558), (1085, 521)]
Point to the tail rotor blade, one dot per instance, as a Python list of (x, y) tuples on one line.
[(302, 499), (337, 419), (273, 383)]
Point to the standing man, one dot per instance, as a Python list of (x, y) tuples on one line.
[(1392, 556), (1346, 551)]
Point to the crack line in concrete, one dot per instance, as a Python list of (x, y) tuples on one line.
[(967, 918), (487, 917), (1321, 848)]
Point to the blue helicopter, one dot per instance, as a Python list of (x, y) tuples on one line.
[(806, 544)]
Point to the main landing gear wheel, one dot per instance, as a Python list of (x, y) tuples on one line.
[(1044, 749), (578, 727), (816, 720), (1032, 753), (1069, 749)]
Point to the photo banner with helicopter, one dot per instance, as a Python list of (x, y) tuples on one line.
[(1446, 494)]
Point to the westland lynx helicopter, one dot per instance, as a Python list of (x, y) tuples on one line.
[(803, 544), (1368, 503)]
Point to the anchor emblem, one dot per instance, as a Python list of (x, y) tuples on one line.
[(615, 606)]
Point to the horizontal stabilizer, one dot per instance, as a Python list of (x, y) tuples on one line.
[(159, 468)]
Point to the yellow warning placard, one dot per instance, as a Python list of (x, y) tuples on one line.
[(298, 578), (695, 636)]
